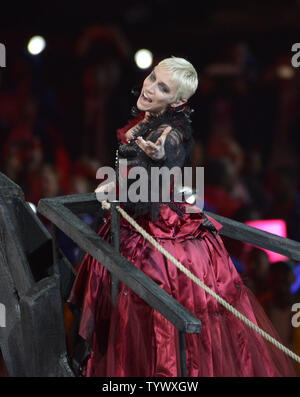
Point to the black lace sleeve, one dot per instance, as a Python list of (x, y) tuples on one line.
[(178, 146), (174, 149), (175, 153)]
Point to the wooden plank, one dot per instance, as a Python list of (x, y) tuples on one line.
[(259, 238), (127, 273)]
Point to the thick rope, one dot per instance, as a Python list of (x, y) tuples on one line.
[(196, 280)]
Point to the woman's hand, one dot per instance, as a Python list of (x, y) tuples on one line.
[(154, 150)]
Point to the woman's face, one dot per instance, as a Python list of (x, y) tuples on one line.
[(159, 90)]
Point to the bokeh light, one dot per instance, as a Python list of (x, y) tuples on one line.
[(274, 226), (36, 45), (143, 58)]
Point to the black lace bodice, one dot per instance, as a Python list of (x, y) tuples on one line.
[(178, 148)]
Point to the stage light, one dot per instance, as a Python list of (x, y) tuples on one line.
[(36, 45), (296, 284), (143, 58), (285, 72), (188, 191), (191, 199), (274, 226)]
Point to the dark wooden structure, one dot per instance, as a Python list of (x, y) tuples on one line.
[(33, 341), (36, 278), (62, 212)]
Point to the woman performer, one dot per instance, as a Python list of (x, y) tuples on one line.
[(132, 339)]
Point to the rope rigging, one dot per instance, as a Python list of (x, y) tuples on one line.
[(223, 302)]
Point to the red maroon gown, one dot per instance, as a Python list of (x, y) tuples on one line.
[(132, 339)]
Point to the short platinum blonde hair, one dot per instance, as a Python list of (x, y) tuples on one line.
[(184, 74)]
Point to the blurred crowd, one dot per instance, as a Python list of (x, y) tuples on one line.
[(52, 142)]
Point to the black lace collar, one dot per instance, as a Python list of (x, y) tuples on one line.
[(184, 110), (179, 117)]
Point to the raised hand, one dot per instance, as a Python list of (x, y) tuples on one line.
[(156, 150)]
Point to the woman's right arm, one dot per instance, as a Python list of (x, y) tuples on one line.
[(156, 151)]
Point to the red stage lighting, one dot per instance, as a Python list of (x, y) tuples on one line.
[(274, 226)]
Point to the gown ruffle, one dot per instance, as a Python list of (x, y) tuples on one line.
[(132, 339)]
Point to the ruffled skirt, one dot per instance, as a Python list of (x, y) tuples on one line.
[(132, 339)]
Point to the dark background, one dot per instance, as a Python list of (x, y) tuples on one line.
[(59, 111)]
